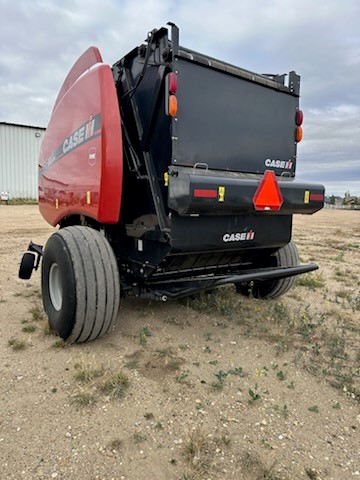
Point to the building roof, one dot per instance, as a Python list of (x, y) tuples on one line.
[(22, 125)]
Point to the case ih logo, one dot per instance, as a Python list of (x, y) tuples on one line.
[(79, 136), (85, 133), (239, 237), (284, 164)]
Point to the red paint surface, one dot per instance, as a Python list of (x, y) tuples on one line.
[(77, 172), (89, 58), (205, 193)]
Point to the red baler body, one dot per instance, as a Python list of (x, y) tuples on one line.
[(80, 165)]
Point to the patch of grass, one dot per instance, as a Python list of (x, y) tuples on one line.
[(336, 406), (83, 399), (220, 300), (283, 410), (166, 352), (198, 452), (46, 330), (314, 409), (86, 373), (183, 377), (281, 375), (312, 474), (253, 467), (132, 364), (148, 415), (312, 281), (59, 343), (22, 201), (340, 257), (336, 346), (254, 395), (116, 385), (115, 444), (17, 344), (138, 437), (37, 314), (144, 334), (28, 329)]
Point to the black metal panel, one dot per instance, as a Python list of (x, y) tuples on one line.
[(201, 233), (231, 123), (238, 190)]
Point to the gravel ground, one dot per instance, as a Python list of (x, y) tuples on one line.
[(222, 387)]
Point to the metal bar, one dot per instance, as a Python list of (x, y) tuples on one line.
[(183, 287)]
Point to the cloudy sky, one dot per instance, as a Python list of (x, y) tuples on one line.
[(320, 40)]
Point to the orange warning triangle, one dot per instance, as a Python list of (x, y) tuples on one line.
[(268, 196)]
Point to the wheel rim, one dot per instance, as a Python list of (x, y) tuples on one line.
[(55, 286)]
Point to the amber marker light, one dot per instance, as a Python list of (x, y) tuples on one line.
[(298, 134), (173, 106)]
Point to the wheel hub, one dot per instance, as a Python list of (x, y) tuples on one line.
[(55, 286)]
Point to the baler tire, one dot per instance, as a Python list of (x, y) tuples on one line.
[(80, 284), (286, 256)]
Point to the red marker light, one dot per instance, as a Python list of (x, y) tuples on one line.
[(299, 118), (172, 83), (268, 195)]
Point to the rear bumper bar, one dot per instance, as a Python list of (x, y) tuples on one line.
[(209, 192), (188, 286)]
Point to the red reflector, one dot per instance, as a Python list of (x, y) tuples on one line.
[(299, 118), (317, 197), (172, 83), (205, 193), (268, 195)]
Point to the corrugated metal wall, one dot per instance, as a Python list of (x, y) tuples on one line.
[(19, 153)]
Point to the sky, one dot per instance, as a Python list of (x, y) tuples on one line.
[(41, 39)]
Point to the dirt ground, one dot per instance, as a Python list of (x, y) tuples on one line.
[(217, 387)]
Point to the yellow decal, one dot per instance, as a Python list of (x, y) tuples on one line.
[(88, 198), (166, 179), (221, 194), (56, 203), (307, 196)]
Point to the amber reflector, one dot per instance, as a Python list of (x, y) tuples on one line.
[(268, 196), (298, 134), (172, 105)]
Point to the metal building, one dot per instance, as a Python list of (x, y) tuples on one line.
[(19, 153)]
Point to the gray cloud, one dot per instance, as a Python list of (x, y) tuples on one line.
[(40, 40)]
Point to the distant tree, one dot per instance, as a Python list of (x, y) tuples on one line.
[(332, 200)]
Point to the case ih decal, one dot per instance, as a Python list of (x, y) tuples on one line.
[(88, 131), (238, 237), (285, 164)]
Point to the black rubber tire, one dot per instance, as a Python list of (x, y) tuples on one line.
[(27, 265), (285, 257), (88, 281)]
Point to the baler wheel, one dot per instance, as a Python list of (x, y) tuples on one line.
[(285, 257), (80, 284)]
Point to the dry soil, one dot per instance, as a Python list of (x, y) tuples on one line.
[(217, 387)]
